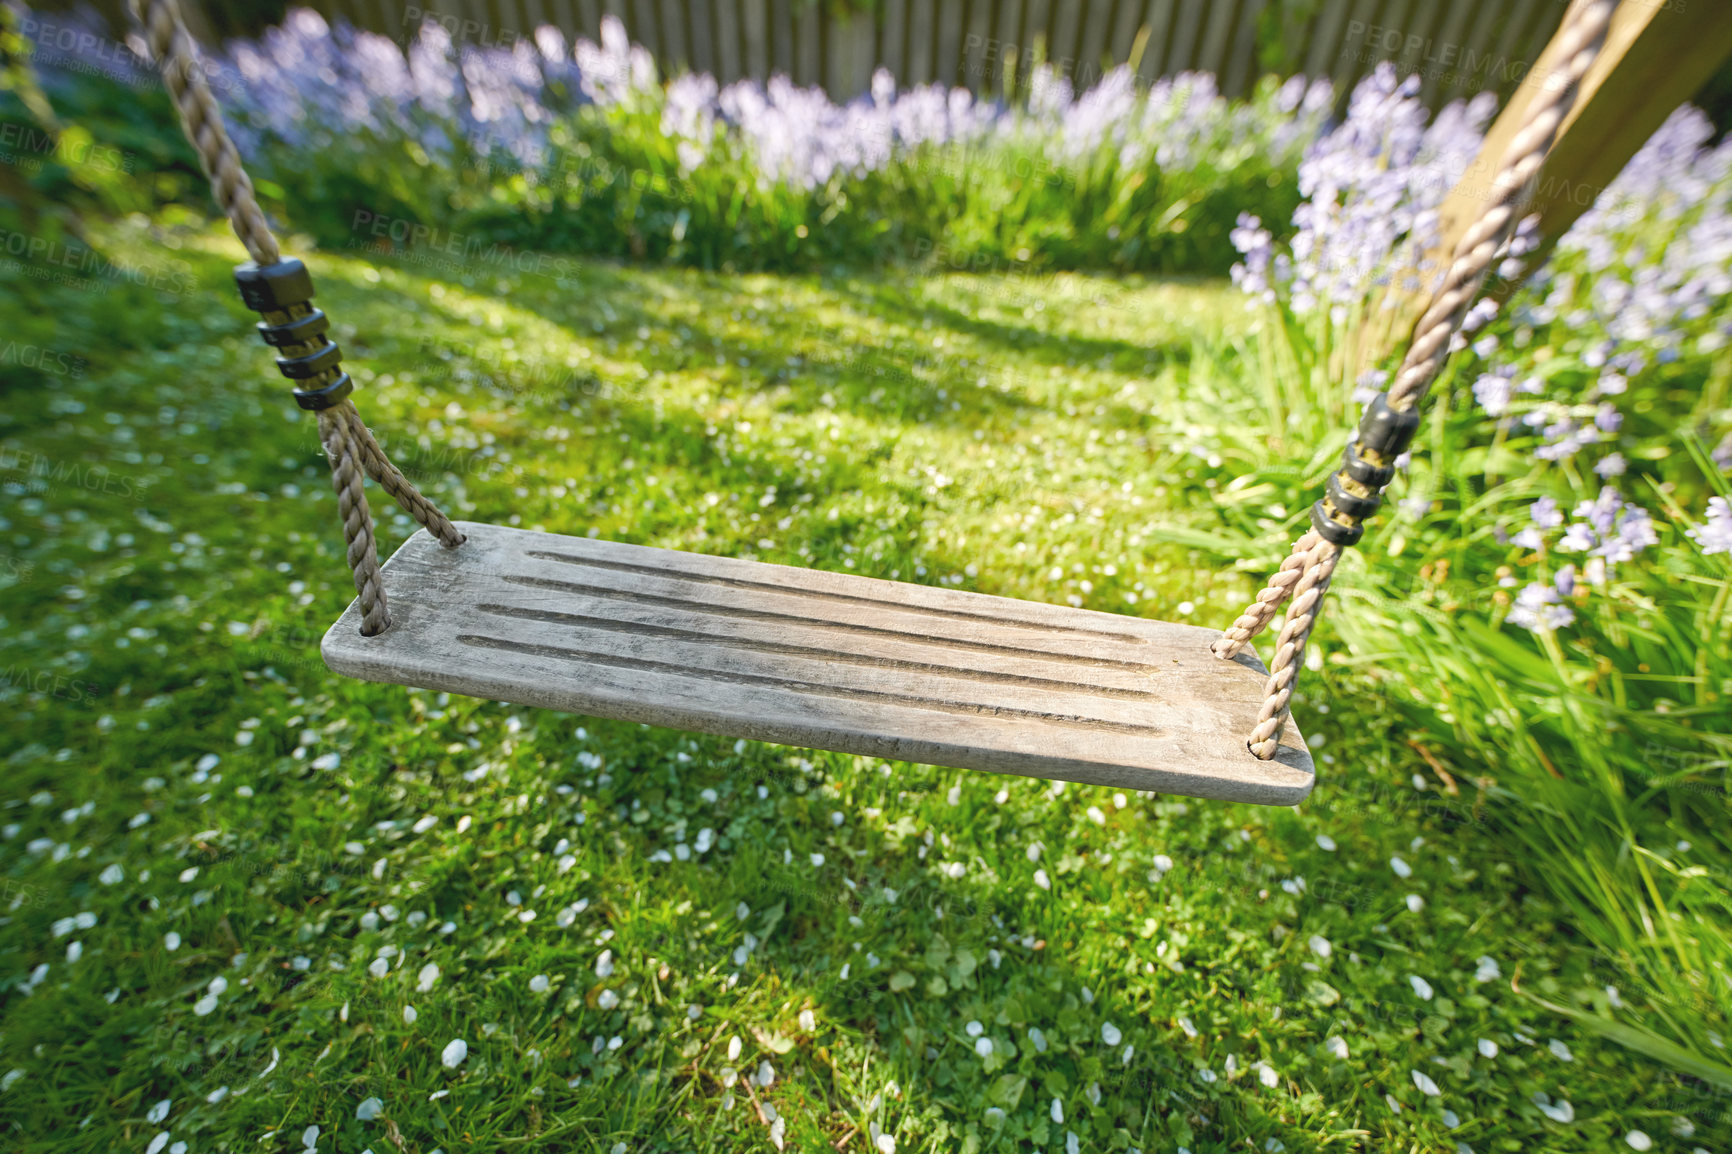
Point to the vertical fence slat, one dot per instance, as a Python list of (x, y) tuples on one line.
[(1448, 41), (1012, 52), (1182, 56), (779, 36), (1352, 62), (1475, 77), (672, 27), (589, 19), (920, 34), (892, 35), (700, 38), (725, 28), (1126, 21), (807, 65), (1242, 68), (1034, 37), (948, 46), (1213, 51), (1327, 38), (976, 71), (1159, 21), (1094, 41), (1066, 28)]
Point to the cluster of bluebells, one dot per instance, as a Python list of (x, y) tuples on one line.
[(1372, 186), (309, 85), (1605, 532)]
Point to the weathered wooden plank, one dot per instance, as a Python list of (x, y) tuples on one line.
[(757, 35), (1448, 51), (829, 660), (1034, 42), (1358, 49)]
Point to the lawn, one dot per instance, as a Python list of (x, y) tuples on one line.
[(253, 905)]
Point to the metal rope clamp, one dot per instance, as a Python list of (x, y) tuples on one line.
[(281, 293), (1368, 464)]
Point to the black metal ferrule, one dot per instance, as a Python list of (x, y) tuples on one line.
[(1363, 471), (327, 397), (299, 331), (1386, 431), (272, 288), (1333, 531), (310, 366), (1348, 504)]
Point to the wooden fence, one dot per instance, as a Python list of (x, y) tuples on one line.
[(1458, 46)]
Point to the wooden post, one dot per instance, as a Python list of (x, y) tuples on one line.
[(1655, 58)]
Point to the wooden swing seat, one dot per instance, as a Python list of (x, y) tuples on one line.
[(823, 660)]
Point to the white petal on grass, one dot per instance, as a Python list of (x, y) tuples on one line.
[(1425, 1084), (607, 999), (1163, 862), (1487, 1048), (734, 1048), (1041, 880), (455, 1051), (171, 940), (272, 1065), (425, 979), (808, 1020), (112, 875), (1559, 1111), (1320, 946), (205, 1005), (538, 984), (310, 1137), (1057, 1112), (409, 1015), (369, 1109), (766, 1074), (1487, 971), (604, 964), (379, 967), (1325, 842), (1401, 868), (983, 1047), (1110, 1034), (886, 1144), (1337, 1045), (974, 1029), (1638, 1140), (217, 1095), (1421, 987), (1560, 1051), (157, 1143), (159, 1111), (1415, 903)]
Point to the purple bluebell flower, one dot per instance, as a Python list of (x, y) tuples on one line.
[(1714, 534), (1537, 608)]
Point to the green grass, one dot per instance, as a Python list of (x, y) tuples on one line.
[(171, 556)]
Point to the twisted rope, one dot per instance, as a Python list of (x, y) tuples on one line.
[(1306, 573), (349, 445), (202, 120)]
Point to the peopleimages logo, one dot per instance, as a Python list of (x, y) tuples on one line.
[(58, 256), (423, 239), (52, 361)]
